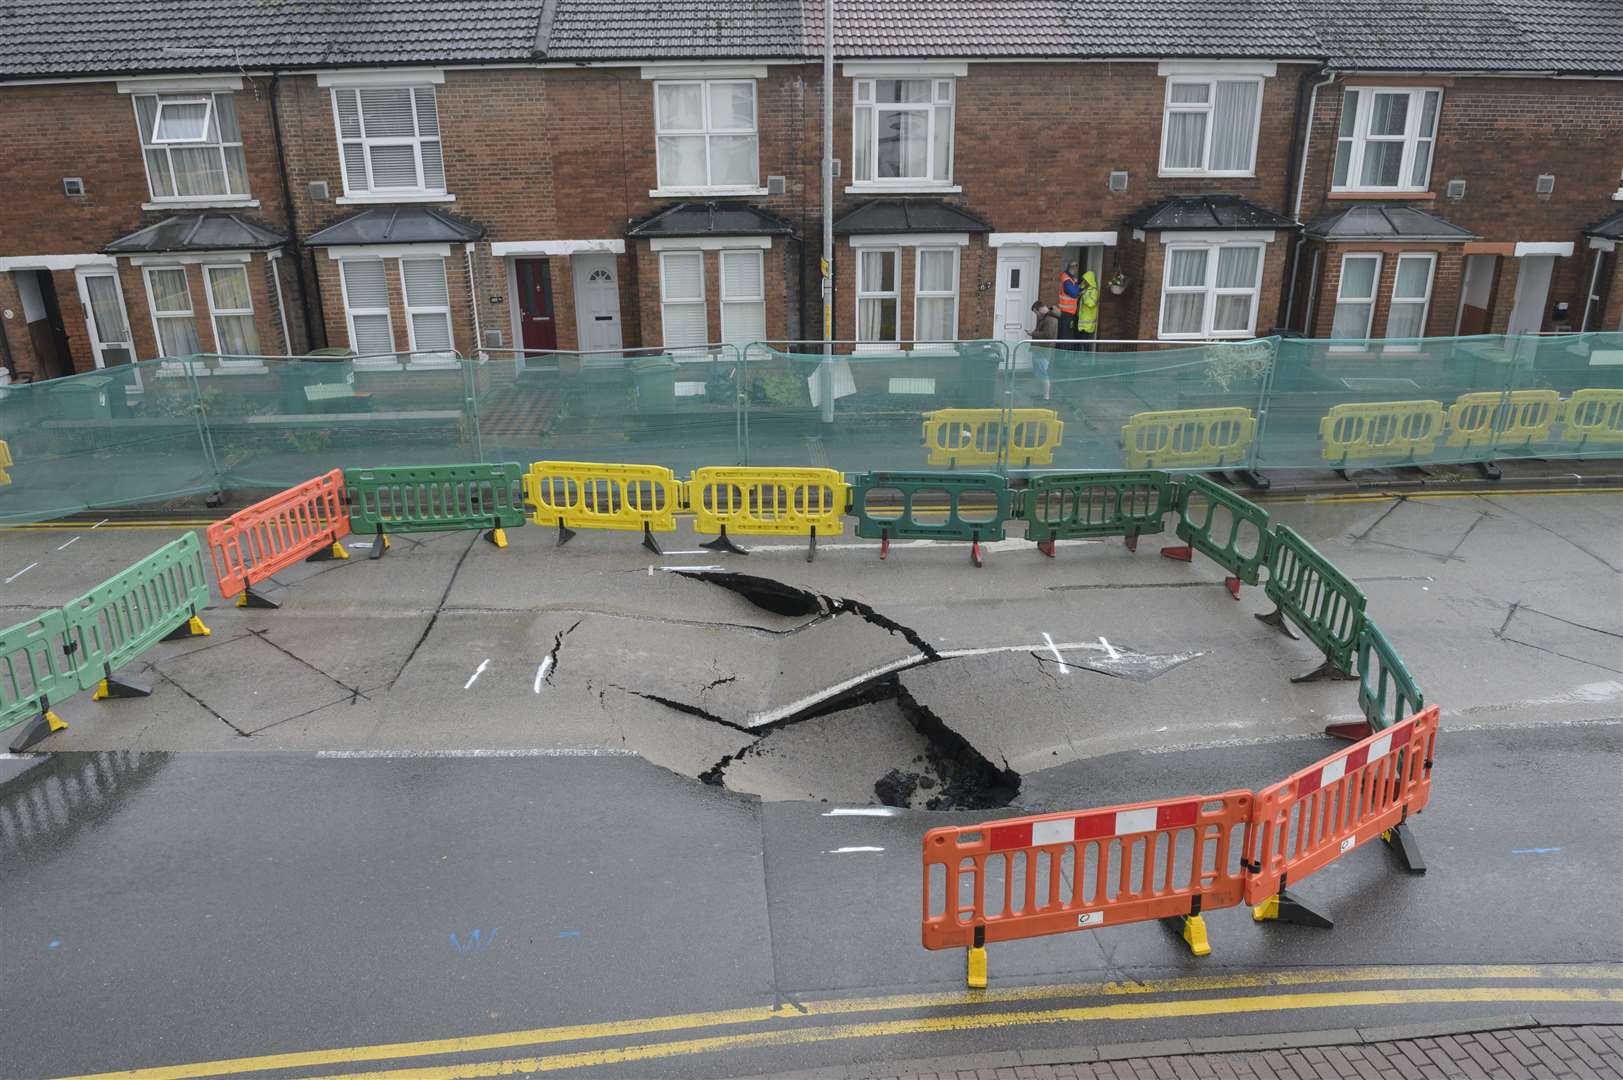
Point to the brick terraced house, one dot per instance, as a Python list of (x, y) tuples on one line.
[(405, 177)]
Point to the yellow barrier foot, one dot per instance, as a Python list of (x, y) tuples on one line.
[(497, 536), (46, 723), (1194, 935), (1284, 907), (192, 627), (251, 599), (975, 976), (724, 543), (648, 540), (115, 686), (335, 550), (1402, 842)]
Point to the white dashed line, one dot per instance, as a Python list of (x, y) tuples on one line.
[(851, 850), (861, 811), (478, 671), (70, 542), (21, 572)]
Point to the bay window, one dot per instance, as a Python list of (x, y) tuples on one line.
[(902, 131), (366, 307), (1411, 299), (935, 295), (1385, 138), (1355, 297), (878, 296), (743, 297), (705, 134), (1210, 126), (428, 305), (192, 146), (681, 292), (231, 310), (389, 140), (170, 298), (1210, 290)]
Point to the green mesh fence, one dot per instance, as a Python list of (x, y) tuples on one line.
[(165, 429)]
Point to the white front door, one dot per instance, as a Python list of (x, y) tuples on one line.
[(597, 301), (1017, 288), (1532, 291), (106, 319)]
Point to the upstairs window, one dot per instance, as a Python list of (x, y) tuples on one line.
[(389, 139), (1210, 126), (1385, 138), (705, 134), (902, 131), (192, 146)]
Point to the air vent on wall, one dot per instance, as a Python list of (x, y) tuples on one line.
[(493, 339), (774, 185), (1456, 189), (1544, 185), (73, 186), (318, 190), (836, 168), (1118, 181)]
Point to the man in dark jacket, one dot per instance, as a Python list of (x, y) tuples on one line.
[(1042, 343)]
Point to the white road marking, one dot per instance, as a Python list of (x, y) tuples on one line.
[(541, 673), (679, 569), (68, 543), (531, 751), (861, 811), (1114, 654), (21, 572), (1063, 670), (364, 544), (478, 671), (1009, 543), (695, 551), (100, 523), (851, 850)]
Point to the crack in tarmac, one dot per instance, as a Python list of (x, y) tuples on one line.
[(438, 608), (355, 692), (205, 706)]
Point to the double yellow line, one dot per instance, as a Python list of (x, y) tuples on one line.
[(793, 1032)]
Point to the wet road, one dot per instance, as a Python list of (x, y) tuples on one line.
[(161, 909)]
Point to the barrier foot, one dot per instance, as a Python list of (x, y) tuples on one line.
[(115, 686), (1191, 929), (975, 551), (1489, 470), (1130, 543), (884, 543), (380, 546), (1232, 584), (1276, 619), (648, 540), (724, 543), (497, 536), (1356, 731), (1183, 553), (46, 723), (1325, 672), (1286, 908), (192, 627), (1255, 480), (1401, 840), (251, 599), (565, 533), (811, 547), (975, 974), (327, 554), (1046, 547)]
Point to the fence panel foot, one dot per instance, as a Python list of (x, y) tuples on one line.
[(811, 546), (1131, 543), (724, 543), (1232, 584), (1276, 619), (121, 686), (975, 552), (251, 599), (328, 554), (1489, 470), (1256, 481), (1286, 908), (1191, 930), (1400, 838), (1357, 731), (192, 627), (380, 545), (565, 534), (1046, 547), (1182, 553), (648, 540), (46, 723), (497, 536), (1325, 672)]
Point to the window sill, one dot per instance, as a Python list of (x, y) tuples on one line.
[(1200, 174), (1617, 195), (874, 347), (200, 204), (1390, 194), (384, 200), (903, 189), (174, 369), (696, 192)]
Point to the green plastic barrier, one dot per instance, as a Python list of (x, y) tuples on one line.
[(114, 623), (927, 519), (34, 672), (436, 498), (1386, 690), (1066, 505), (1241, 547), (1307, 589)]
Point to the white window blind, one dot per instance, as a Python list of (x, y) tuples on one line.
[(705, 134), (743, 297), (389, 139), (1210, 290), (1210, 126), (428, 304), (172, 311), (1384, 139), (935, 295), (1411, 297), (366, 306), (1355, 297), (192, 146), (682, 310), (231, 307), (878, 295), (902, 131)]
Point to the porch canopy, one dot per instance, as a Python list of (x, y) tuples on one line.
[(198, 232), (1394, 224)]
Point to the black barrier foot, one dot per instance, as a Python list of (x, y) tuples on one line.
[(380, 546), (1325, 672), (811, 548), (723, 543), (46, 723), (1489, 470), (648, 540), (1131, 543), (1286, 908), (216, 499), (565, 533), (120, 686), (1255, 480), (1403, 843), (1276, 619), (251, 599)]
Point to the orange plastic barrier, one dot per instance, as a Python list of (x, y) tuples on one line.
[(1026, 877), (1327, 810), (269, 536)]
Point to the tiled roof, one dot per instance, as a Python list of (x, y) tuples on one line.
[(397, 225), (711, 219), (107, 37), (883, 216), (1471, 35), (1385, 223), (673, 30), (198, 232), (1186, 212), (1610, 229)]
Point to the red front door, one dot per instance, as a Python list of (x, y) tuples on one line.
[(539, 328)]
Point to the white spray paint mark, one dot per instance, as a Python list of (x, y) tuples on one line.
[(100, 523), (363, 545), (1111, 649), (21, 572), (682, 569), (1063, 670), (478, 671), (861, 811), (522, 752), (70, 542), (541, 673), (695, 551), (851, 850)]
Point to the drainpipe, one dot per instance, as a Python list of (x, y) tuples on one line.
[(292, 214), (473, 300), (1583, 327), (1302, 137)]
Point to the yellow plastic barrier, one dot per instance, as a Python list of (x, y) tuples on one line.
[(1591, 416), (975, 436), (1188, 437), (1405, 430), (1520, 416), (767, 502), (5, 463), (597, 495)]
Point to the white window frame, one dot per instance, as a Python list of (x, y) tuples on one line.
[(708, 188), (1425, 304), (702, 301), (1210, 290), (152, 308), (1209, 108), (372, 362), (427, 360), (945, 294), (215, 311), (861, 101), (1412, 137), (242, 197), (1373, 298), (371, 192), (895, 294), (721, 266)]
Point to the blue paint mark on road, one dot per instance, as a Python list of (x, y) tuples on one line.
[(1535, 851), (569, 933), (54, 943), (476, 942)]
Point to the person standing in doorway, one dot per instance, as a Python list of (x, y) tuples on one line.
[(1070, 290), (1041, 338), (1087, 311)]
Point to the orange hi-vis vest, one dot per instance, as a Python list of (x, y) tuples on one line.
[(1067, 304)]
